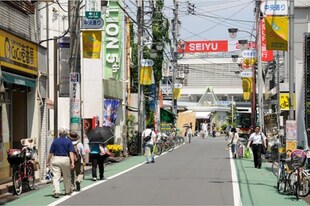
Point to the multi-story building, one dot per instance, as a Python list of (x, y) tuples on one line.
[(23, 80)]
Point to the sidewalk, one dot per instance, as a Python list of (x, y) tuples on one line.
[(43, 195), (258, 186)]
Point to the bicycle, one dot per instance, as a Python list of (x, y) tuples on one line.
[(22, 162), (299, 178), (282, 173)]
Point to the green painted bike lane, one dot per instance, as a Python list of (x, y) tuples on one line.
[(258, 186), (43, 196)]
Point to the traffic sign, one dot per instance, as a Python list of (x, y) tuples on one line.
[(91, 23), (93, 9)]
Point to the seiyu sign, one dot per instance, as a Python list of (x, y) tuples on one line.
[(275, 7), (75, 108)]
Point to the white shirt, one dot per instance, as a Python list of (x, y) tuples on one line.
[(236, 138), (257, 138), (204, 127), (146, 133)]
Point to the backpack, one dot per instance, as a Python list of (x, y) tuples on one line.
[(77, 155)]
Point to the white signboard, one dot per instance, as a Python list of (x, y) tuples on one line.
[(93, 9), (275, 7), (246, 73), (249, 54), (75, 110), (91, 23)]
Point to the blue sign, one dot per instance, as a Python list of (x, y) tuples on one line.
[(275, 7)]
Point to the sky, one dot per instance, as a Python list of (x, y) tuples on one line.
[(213, 18)]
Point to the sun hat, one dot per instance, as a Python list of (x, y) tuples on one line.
[(74, 137)]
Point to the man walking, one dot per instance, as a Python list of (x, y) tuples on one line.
[(62, 152)]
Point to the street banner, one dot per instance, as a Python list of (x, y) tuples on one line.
[(146, 74), (204, 46), (267, 55), (247, 87), (276, 33), (271, 124), (110, 112), (176, 93), (91, 44)]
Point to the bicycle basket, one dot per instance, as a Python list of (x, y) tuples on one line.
[(298, 158), (14, 156)]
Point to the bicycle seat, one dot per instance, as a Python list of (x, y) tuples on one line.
[(28, 142)]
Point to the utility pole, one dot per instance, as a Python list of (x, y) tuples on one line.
[(74, 25), (260, 69), (174, 52), (140, 20), (291, 60)]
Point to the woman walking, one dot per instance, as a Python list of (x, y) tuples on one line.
[(233, 140)]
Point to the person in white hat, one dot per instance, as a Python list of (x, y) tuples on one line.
[(78, 173)]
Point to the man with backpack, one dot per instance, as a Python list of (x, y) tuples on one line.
[(79, 160), (149, 138)]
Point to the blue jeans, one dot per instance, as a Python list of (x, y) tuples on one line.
[(149, 152)]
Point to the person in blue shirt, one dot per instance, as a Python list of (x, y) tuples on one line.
[(62, 163), (97, 160)]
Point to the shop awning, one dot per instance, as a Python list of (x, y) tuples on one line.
[(17, 79), (166, 116)]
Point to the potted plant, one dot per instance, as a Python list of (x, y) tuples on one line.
[(115, 149)]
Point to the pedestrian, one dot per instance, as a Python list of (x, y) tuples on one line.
[(62, 152), (189, 133), (97, 160), (233, 141), (79, 161), (204, 129), (257, 140), (149, 138)]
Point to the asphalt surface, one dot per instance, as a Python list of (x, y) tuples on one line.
[(199, 173)]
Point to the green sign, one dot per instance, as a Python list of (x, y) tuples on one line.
[(93, 14)]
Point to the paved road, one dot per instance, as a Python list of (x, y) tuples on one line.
[(194, 174)]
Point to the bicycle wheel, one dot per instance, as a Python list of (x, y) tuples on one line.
[(17, 183), (30, 176), (159, 149), (292, 179), (171, 146), (303, 186), (281, 183), (275, 168)]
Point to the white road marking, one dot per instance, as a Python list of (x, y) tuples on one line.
[(235, 184)]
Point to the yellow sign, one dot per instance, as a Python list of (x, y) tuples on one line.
[(146, 75), (247, 87), (284, 101), (18, 54), (276, 32), (291, 145), (91, 44)]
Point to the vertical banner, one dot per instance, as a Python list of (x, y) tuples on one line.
[(247, 87), (64, 55), (91, 44), (75, 104), (267, 55), (276, 32), (153, 97), (146, 72), (113, 40), (109, 112)]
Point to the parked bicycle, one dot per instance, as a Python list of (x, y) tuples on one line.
[(299, 178), (23, 164), (282, 172)]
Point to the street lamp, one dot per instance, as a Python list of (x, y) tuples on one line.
[(234, 57), (244, 44)]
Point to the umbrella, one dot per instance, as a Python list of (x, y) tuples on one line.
[(100, 135)]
